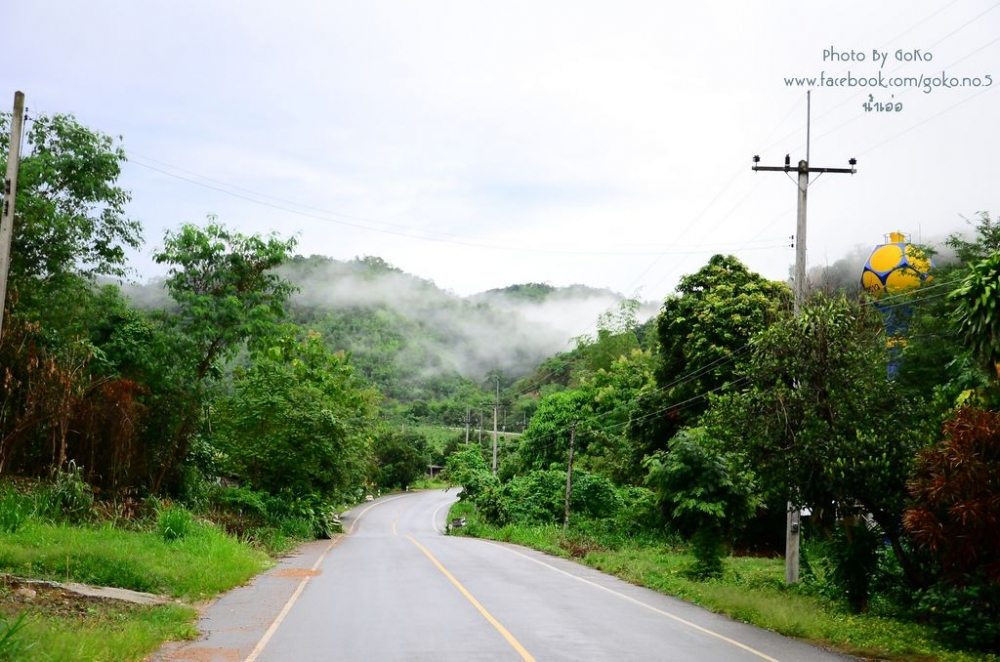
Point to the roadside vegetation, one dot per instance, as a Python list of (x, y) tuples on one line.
[(687, 448), (220, 414)]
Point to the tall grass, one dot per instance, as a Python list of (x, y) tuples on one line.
[(109, 632), (201, 564)]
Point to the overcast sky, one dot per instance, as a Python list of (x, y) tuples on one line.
[(480, 144)]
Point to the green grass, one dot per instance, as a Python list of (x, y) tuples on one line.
[(751, 590), (105, 631), (181, 558), (200, 565)]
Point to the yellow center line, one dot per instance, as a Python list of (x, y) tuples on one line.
[(515, 644)]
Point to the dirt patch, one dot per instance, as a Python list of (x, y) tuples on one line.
[(296, 573), (205, 655), (579, 548), (52, 600)]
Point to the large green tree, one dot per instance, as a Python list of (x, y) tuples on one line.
[(57, 402), (70, 214), (227, 294), (298, 421), (820, 422), (703, 332)]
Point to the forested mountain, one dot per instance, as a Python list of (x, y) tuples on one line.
[(424, 345), (427, 349)]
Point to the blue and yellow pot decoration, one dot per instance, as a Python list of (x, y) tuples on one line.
[(893, 268)]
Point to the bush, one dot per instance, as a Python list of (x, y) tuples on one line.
[(708, 550), (639, 512), (245, 513), (14, 511), (854, 557), (968, 615), (69, 498), (174, 523)]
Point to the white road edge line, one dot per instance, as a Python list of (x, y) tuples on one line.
[(640, 603), (259, 648), (435, 514)]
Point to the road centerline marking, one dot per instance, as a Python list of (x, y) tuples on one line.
[(640, 603), (514, 643)]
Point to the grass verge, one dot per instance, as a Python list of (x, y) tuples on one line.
[(751, 590), (59, 626), (198, 564)]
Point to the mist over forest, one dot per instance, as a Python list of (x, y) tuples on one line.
[(416, 340), (409, 336)]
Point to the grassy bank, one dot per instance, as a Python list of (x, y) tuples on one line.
[(46, 623), (751, 590)]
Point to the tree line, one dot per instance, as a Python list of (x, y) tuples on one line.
[(217, 395)]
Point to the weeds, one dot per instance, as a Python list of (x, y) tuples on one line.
[(174, 523), (14, 511), (12, 644)]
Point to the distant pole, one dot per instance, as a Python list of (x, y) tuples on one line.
[(468, 423), (496, 407), (479, 438), (792, 523), (10, 193), (569, 475)]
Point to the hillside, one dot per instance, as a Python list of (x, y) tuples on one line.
[(425, 346)]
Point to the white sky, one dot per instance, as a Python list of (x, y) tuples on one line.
[(480, 144)]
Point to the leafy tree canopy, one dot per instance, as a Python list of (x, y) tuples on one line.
[(70, 213)]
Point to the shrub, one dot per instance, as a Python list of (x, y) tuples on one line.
[(12, 645), (68, 498), (967, 615), (955, 490), (174, 523), (701, 494), (14, 511)]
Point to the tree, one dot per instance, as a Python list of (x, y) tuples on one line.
[(400, 458), (985, 241), (615, 337), (298, 422), (70, 214), (701, 493), (978, 310), (703, 332), (820, 422), (227, 294)]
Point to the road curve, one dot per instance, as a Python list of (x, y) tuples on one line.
[(396, 589)]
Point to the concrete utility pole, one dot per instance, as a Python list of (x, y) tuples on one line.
[(569, 475), (496, 407), (9, 195), (793, 521), (468, 422)]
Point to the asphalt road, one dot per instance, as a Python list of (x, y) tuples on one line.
[(396, 589)]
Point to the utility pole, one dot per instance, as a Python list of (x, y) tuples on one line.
[(794, 518), (9, 194), (496, 407), (468, 422), (569, 475)]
